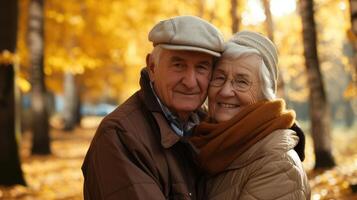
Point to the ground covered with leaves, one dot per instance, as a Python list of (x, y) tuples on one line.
[(58, 176), (339, 182)]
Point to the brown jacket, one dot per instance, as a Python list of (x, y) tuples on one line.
[(270, 169), (135, 154)]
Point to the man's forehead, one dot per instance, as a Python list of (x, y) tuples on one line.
[(178, 55)]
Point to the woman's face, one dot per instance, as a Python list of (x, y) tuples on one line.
[(234, 85)]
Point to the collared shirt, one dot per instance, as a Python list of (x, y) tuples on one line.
[(180, 128)]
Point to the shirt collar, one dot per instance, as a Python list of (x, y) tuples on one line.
[(180, 128)]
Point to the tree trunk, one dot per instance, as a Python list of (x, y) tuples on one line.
[(10, 166), (234, 16), (353, 10), (349, 116), (319, 108), (71, 116), (269, 25), (40, 125)]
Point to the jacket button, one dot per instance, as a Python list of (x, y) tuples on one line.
[(190, 194)]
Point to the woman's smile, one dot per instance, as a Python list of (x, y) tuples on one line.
[(227, 105)]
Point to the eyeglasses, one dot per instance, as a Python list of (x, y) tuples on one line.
[(239, 84)]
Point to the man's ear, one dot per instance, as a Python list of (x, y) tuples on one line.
[(150, 65)]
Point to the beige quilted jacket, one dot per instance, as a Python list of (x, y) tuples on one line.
[(270, 169)]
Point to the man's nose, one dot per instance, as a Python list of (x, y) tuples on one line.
[(190, 79)]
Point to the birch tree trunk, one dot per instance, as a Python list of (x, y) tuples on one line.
[(71, 114)]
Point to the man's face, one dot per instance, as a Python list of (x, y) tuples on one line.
[(181, 79)]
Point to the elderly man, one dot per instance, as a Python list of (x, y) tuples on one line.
[(140, 150)]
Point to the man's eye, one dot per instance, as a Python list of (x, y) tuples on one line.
[(202, 68), (178, 65)]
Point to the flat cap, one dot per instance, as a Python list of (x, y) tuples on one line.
[(188, 33)]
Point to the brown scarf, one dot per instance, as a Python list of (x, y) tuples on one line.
[(221, 143)]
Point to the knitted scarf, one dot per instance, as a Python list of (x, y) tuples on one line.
[(221, 143)]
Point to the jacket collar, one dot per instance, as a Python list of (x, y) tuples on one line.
[(146, 94), (167, 135)]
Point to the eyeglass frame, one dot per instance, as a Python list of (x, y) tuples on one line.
[(232, 81)]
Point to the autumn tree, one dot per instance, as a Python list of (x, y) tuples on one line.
[(319, 108), (40, 124), (10, 167), (104, 54)]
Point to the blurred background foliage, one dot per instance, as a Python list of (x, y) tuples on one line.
[(104, 43)]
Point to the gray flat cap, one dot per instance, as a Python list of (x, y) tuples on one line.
[(188, 33)]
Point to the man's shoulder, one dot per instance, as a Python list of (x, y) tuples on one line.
[(131, 111), (127, 124), (126, 109), (127, 120)]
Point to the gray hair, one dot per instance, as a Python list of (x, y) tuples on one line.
[(155, 55), (234, 51)]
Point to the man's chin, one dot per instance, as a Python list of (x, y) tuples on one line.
[(185, 108), (187, 102)]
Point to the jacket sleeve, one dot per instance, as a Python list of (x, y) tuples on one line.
[(111, 172), (278, 179)]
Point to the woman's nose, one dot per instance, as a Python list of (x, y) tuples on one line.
[(227, 89)]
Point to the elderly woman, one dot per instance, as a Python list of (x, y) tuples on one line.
[(247, 147)]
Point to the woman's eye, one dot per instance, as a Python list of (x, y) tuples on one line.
[(242, 82), (218, 81), (218, 78)]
